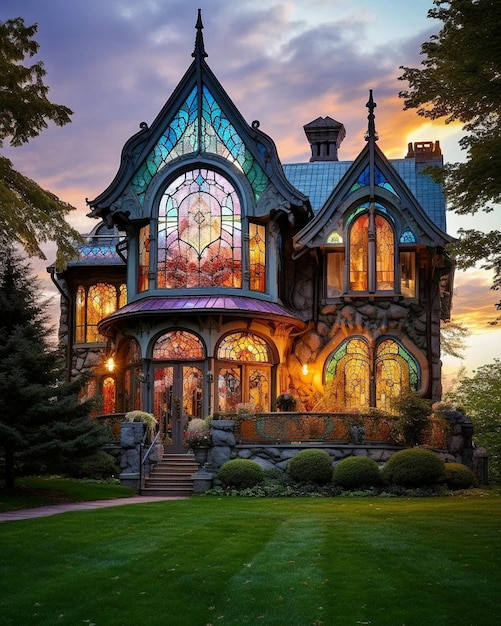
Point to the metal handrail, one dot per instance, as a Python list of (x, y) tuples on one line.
[(145, 458)]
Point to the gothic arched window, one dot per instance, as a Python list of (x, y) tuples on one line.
[(372, 254)]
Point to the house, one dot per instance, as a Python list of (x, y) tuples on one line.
[(216, 276)]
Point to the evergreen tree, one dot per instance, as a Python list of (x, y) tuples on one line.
[(41, 420)]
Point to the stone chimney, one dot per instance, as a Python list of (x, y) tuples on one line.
[(325, 136), (422, 151)]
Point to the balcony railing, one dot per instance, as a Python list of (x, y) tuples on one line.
[(300, 427)]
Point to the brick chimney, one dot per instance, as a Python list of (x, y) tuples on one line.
[(325, 136)]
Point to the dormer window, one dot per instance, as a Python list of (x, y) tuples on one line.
[(371, 261)]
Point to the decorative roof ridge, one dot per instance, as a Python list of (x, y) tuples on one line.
[(199, 51)]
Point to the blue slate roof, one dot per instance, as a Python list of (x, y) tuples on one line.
[(317, 179)]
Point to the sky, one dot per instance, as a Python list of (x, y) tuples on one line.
[(285, 63)]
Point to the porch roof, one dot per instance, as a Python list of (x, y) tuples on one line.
[(235, 306)]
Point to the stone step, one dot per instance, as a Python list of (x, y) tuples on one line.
[(171, 476)]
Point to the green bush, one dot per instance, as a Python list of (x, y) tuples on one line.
[(96, 466), (241, 473), (313, 466), (355, 472), (459, 476), (415, 467), (414, 417)]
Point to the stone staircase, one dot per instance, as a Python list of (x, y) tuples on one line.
[(172, 476)]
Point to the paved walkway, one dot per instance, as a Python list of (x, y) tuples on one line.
[(55, 509)]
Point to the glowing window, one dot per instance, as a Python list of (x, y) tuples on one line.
[(178, 345), (244, 347), (199, 233), (408, 274), (94, 303), (371, 265), (360, 375), (257, 257), (109, 395), (335, 271)]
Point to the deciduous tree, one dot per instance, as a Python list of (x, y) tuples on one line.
[(459, 80), (29, 214)]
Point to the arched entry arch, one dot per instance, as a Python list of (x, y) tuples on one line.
[(178, 359)]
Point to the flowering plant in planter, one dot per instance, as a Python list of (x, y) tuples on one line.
[(148, 419), (245, 409), (286, 401), (197, 434)]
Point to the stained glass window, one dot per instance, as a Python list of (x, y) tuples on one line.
[(199, 233), (407, 236), (396, 370), (359, 251), (178, 345), (257, 257), (132, 351), (361, 277), (244, 347), (109, 395), (360, 376), (385, 255), (218, 136), (379, 180), (94, 304), (144, 259)]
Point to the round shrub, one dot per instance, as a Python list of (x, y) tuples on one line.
[(355, 472), (95, 466), (415, 467), (313, 466), (240, 473), (459, 476)]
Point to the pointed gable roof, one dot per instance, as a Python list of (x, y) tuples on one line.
[(198, 119), (370, 178)]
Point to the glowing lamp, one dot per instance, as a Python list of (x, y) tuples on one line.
[(305, 369), (110, 364)]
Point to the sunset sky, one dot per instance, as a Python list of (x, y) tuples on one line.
[(284, 63)]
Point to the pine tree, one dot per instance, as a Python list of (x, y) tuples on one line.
[(41, 419)]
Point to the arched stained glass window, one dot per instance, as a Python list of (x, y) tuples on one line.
[(360, 375), (372, 268), (348, 373), (199, 233), (178, 345), (244, 347)]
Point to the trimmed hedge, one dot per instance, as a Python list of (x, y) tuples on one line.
[(356, 472), (311, 466), (415, 467), (459, 476), (240, 473)]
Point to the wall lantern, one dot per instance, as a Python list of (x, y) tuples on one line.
[(110, 364)]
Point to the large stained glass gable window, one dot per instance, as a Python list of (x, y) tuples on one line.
[(199, 233), (178, 345)]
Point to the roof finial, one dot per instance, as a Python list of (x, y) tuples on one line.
[(199, 41), (371, 131)]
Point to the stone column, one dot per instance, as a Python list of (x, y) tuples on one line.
[(131, 438)]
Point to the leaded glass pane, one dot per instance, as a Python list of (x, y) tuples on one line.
[(335, 268), (396, 370), (122, 295), (408, 274), (359, 250), (380, 180), (101, 301), (178, 345), (180, 137), (199, 233), (257, 257), (80, 315), (229, 389), (348, 375), (385, 259), (133, 352), (220, 137), (244, 347), (259, 388), (192, 391), (109, 395), (144, 259), (334, 237), (407, 236)]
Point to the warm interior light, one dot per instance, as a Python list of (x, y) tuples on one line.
[(305, 369), (110, 364)]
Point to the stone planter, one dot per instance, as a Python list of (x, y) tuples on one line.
[(200, 455)]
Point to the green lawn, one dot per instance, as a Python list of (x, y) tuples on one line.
[(286, 562)]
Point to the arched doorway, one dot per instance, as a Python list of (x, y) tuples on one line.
[(178, 382)]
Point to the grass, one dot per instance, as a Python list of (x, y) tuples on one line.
[(34, 491), (229, 561)]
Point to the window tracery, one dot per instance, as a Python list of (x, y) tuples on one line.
[(178, 345)]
